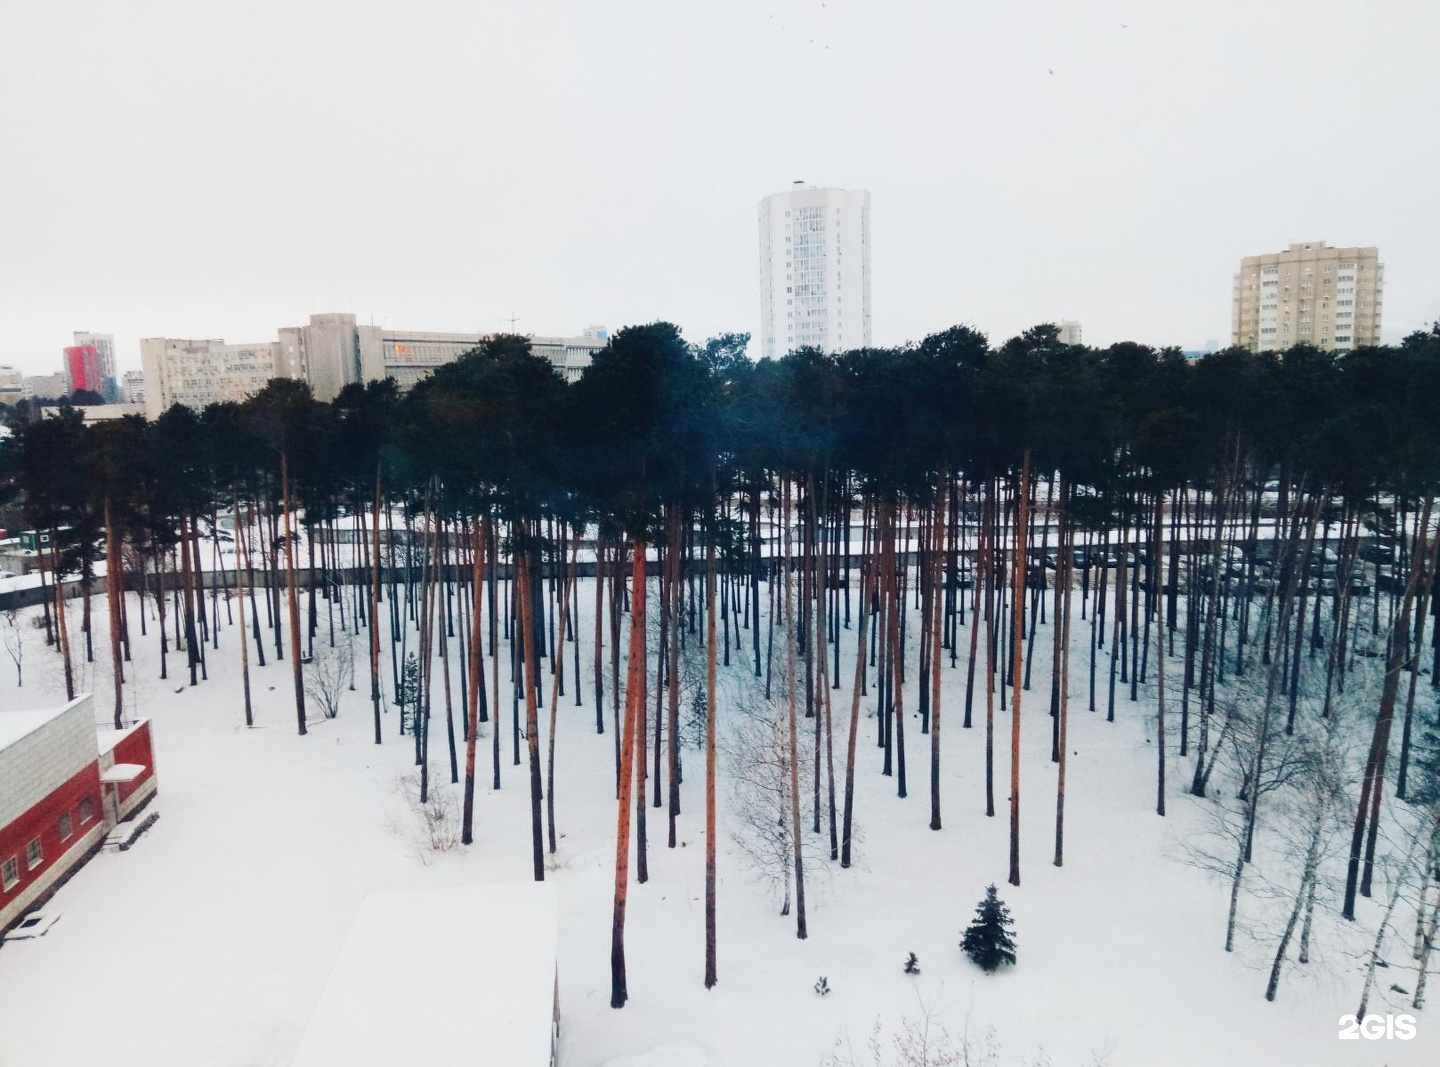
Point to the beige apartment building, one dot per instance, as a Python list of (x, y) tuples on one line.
[(205, 371), (331, 352), (1309, 294)]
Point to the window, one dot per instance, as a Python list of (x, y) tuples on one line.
[(34, 856), (66, 827), (9, 874), (87, 810)]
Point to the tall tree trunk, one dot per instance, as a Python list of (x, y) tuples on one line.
[(242, 567), (476, 679), (634, 708), (790, 681), (114, 583), (672, 674), (1063, 575), (867, 569), (1017, 619), (556, 681), (294, 602), (710, 697), (375, 616), (531, 675), (62, 628), (936, 625)]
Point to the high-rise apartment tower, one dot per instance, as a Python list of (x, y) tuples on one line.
[(104, 345), (1309, 294), (814, 270)]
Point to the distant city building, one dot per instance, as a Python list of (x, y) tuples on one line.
[(205, 371), (104, 345), (1309, 294), (814, 270), (93, 413), (334, 351), (1069, 332), (331, 352), (12, 385), (132, 387), (82, 370), (47, 386)]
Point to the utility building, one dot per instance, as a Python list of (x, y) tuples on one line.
[(63, 786)]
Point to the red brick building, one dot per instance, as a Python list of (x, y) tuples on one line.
[(63, 786)]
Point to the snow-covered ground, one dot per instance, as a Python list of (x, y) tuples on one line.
[(210, 941)]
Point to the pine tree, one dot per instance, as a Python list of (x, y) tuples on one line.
[(407, 695), (988, 941)]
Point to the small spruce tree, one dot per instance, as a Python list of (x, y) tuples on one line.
[(912, 965), (408, 693), (988, 941)]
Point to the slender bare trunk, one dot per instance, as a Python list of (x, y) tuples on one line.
[(294, 603), (633, 709), (532, 726), (710, 695), (477, 694), (790, 681), (1017, 628), (242, 568)]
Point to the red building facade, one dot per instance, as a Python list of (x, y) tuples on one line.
[(82, 368)]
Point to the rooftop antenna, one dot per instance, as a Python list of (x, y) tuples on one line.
[(512, 320)]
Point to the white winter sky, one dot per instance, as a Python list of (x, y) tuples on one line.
[(194, 169)]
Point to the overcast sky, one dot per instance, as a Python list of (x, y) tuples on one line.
[(192, 169)]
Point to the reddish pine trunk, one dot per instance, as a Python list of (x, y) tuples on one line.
[(634, 709), (1017, 617)]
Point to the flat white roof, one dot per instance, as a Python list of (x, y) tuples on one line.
[(108, 739), (16, 724), (123, 772), (454, 975)]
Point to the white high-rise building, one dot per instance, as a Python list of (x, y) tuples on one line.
[(814, 270)]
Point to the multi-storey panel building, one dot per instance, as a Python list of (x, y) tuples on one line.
[(104, 345), (132, 387), (331, 352), (82, 370), (205, 371), (1309, 294), (814, 270)]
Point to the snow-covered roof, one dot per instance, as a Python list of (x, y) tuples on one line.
[(123, 772), (453, 975), (17, 724), (108, 739)]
